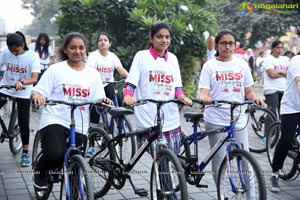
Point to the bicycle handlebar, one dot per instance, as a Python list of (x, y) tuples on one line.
[(76, 104), (217, 102), (8, 86), (114, 82), (159, 102)]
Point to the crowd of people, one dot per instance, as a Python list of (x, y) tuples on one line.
[(36, 75)]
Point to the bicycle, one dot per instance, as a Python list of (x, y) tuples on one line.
[(110, 126), (167, 177), (74, 175), (238, 171), (260, 121), (12, 132), (291, 163)]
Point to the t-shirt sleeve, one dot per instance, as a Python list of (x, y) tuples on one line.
[(204, 80), (135, 70)]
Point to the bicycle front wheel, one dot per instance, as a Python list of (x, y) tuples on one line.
[(240, 177), (100, 163), (129, 145), (260, 120), (15, 142), (41, 194), (290, 164), (80, 180), (167, 179)]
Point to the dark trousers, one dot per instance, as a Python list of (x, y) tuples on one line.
[(23, 106), (289, 124), (273, 102), (54, 144)]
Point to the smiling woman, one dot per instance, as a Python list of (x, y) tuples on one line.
[(14, 16)]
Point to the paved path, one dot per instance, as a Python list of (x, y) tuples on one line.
[(16, 182)]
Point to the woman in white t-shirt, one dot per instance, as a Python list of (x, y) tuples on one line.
[(68, 80), (155, 74), (22, 67), (290, 118), (275, 71), (225, 77)]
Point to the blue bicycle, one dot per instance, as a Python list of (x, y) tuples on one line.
[(74, 175), (109, 124), (239, 176)]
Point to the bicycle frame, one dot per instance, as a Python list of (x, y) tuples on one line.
[(229, 138)]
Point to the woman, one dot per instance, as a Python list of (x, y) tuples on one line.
[(275, 71), (106, 62), (44, 50), (225, 77), (58, 82), (290, 118), (155, 74), (22, 67)]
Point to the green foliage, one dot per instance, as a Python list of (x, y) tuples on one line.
[(260, 23)]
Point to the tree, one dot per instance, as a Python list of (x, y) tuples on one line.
[(129, 21), (44, 12), (261, 23)]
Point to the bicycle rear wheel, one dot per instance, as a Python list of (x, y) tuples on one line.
[(100, 164), (240, 177), (167, 179), (290, 164), (128, 143), (15, 142), (260, 121), (80, 179), (41, 194)]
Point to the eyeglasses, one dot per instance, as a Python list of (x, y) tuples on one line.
[(224, 43)]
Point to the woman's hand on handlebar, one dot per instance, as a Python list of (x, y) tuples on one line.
[(129, 100), (38, 99), (107, 101)]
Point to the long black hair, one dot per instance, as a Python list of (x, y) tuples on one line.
[(16, 39), (42, 49)]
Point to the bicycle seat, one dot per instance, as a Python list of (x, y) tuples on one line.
[(120, 112), (193, 116)]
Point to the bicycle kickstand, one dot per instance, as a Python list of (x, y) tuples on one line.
[(139, 191)]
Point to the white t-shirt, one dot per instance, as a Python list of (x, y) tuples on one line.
[(43, 60), (290, 102), (18, 68), (155, 79), (225, 81), (279, 64), (61, 82), (211, 54), (105, 65)]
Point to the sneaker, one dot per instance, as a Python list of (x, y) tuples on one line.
[(275, 185), (25, 160), (39, 181), (90, 152)]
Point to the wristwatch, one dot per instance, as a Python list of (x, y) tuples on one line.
[(22, 81)]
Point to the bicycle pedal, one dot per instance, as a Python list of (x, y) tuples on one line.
[(141, 192), (201, 186)]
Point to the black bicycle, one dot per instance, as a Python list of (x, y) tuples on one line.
[(167, 179), (12, 132), (291, 163)]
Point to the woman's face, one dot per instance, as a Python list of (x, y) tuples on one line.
[(161, 41), (277, 50), (76, 50), (226, 46), (16, 50), (103, 42), (42, 41)]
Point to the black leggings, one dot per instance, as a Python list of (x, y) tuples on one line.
[(23, 116), (289, 124), (54, 144)]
